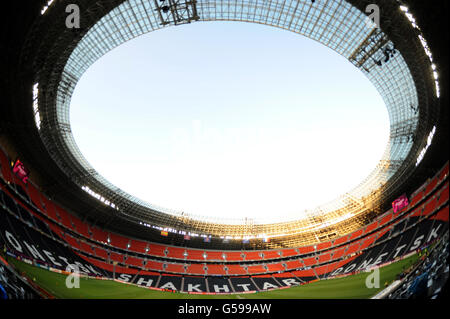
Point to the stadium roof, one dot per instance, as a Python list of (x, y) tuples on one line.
[(53, 58)]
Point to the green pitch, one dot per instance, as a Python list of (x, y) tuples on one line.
[(341, 288)]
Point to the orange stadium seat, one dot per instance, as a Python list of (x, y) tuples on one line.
[(65, 219), (356, 234), (233, 256), (323, 246), (80, 227), (306, 250), (156, 250), (138, 246), (294, 264), (6, 166), (236, 270), (382, 232), (195, 269), (353, 248), (416, 198), (304, 273), (176, 252), (134, 261), (310, 261), (285, 274), (99, 264), (340, 240), (252, 255), (272, 254), (320, 270), (99, 235), (195, 255), (154, 265), (399, 212), (72, 241), (176, 268), (214, 255), (371, 227), (443, 196), (386, 219), (256, 269), (126, 270), (288, 252), (118, 241), (215, 269), (35, 197), (416, 212), (324, 258), (430, 206), (430, 187), (367, 242), (442, 214), (56, 229), (49, 209), (85, 247), (275, 267), (338, 253), (148, 273), (102, 253)]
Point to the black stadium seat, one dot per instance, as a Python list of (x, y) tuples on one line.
[(194, 284)]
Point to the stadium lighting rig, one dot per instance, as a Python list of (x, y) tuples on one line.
[(99, 197), (44, 9), (424, 42), (177, 11), (37, 116), (425, 149)]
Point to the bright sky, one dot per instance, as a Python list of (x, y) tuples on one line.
[(229, 119)]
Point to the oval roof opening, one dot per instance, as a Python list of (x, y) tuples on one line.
[(229, 120)]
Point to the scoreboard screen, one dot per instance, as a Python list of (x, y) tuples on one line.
[(400, 203), (20, 171)]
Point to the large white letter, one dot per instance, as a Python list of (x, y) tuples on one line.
[(373, 280), (13, 241), (52, 259), (268, 285), (168, 285), (290, 281), (417, 243), (380, 259), (225, 288), (192, 287), (398, 249), (73, 19), (433, 233), (142, 280), (244, 286), (36, 254), (73, 280), (125, 277)]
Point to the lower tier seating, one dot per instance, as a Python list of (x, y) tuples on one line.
[(24, 241)]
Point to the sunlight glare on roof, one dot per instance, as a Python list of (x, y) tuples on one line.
[(229, 120)]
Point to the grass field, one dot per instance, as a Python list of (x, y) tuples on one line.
[(352, 287)]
